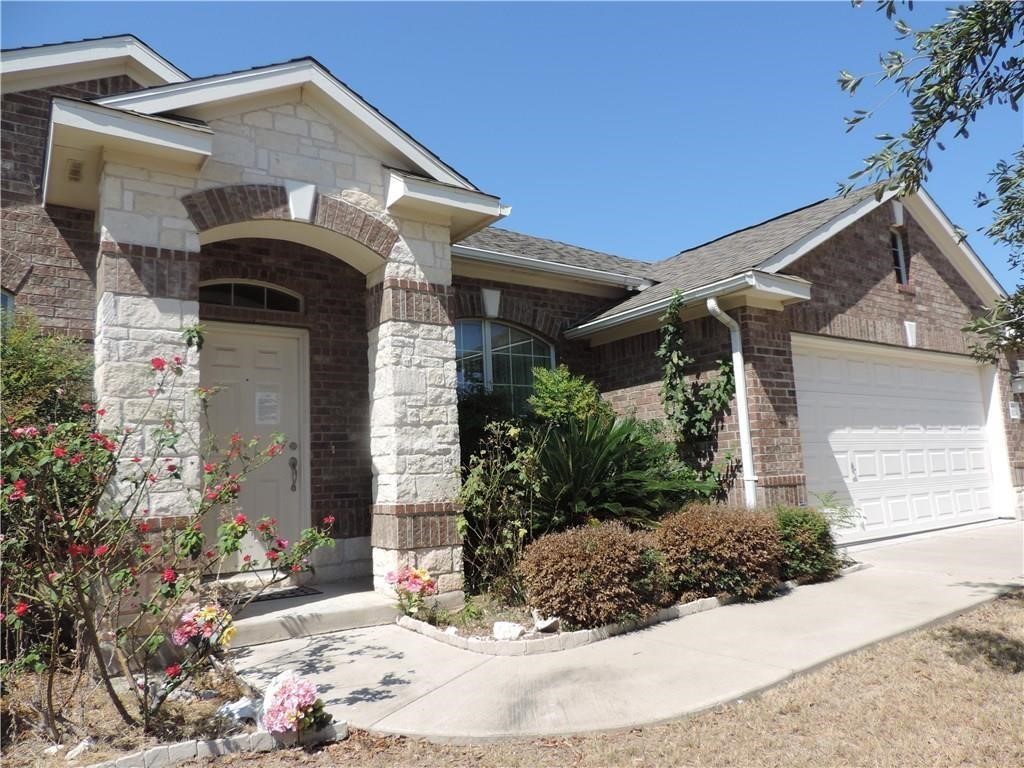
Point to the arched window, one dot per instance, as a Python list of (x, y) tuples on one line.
[(249, 295), (499, 358)]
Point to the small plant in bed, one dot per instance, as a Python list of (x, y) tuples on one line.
[(808, 549)]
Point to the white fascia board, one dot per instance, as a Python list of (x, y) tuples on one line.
[(116, 124), (829, 229), (941, 230), (305, 73), (465, 210), (539, 265), (781, 287), (35, 63), (403, 188)]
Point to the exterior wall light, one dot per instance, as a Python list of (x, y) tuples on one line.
[(491, 299)]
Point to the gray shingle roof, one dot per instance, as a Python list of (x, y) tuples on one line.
[(738, 251), (528, 246)]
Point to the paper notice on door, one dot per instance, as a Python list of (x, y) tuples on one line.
[(268, 407)]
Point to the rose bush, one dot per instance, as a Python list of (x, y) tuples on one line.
[(92, 577), (411, 585)]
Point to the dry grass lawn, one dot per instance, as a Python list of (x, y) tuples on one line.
[(952, 695)]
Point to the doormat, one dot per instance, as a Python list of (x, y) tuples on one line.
[(284, 594)]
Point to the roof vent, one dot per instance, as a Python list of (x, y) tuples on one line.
[(75, 171)]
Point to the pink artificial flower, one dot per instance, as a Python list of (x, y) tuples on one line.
[(173, 671), (21, 608), (59, 451), (240, 519), (158, 363), (101, 550), (169, 576)]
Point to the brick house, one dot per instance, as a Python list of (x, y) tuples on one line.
[(350, 280)]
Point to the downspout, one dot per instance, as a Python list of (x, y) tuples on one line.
[(742, 413)]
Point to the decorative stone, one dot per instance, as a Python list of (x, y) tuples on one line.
[(241, 711), (79, 749), (541, 624), (507, 630)]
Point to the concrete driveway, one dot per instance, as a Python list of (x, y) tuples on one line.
[(391, 680)]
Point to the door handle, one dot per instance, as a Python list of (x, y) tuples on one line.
[(294, 464)]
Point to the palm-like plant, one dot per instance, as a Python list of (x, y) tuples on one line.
[(601, 468)]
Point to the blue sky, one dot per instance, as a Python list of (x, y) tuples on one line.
[(638, 129)]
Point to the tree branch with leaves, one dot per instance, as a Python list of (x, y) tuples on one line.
[(958, 67)]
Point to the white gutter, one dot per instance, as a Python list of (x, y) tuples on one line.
[(540, 265), (781, 286), (742, 413)]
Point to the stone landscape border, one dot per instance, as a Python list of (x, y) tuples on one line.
[(259, 741), (564, 641)]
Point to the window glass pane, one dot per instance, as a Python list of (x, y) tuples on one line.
[(281, 301), (250, 296), (6, 301), (522, 370), (501, 369), (500, 335), (470, 371), (469, 338), (216, 294)]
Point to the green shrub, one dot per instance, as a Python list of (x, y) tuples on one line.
[(712, 550), (808, 549), (477, 409), (559, 396), (593, 575), (607, 469), (45, 377), (496, 518)]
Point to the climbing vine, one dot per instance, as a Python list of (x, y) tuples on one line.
[(695, 407)]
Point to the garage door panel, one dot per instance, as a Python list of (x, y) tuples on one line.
[(903, 439)]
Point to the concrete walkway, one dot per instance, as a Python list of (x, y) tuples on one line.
[(391, 680)]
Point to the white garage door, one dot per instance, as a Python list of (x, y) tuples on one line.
[(902, 437)]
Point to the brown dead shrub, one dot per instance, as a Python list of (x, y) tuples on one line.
[(595, 575)]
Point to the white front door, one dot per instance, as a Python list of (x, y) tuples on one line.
[(260, 375), (900, 434)]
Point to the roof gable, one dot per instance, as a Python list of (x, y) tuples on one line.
[(314, 80), (44, 66)]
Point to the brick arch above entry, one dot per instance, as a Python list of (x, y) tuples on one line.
[(234, 204)]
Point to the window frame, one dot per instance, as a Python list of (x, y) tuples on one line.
[(899, 247), (487, 350), (7, 302), (259, 284)]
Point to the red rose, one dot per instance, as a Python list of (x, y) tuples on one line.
[(143, 527), (173, 671), (272, 555), (101, 550), (76, 459), (240, 519), (168, 576), (101, 412), (59, 452), (158, 363), (209, 468), (329, 520), (21, 608), (146, 548)]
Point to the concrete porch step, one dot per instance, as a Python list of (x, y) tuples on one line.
[(346, 604)]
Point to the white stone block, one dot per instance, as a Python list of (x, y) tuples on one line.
[(277, 141), (127, 227), (157, 757), (260, 119), (236, 150)]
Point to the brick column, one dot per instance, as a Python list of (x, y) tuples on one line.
[(414, 434), (771, 398)]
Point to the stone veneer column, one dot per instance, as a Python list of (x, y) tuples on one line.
[(147, 290), (414, 432)]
